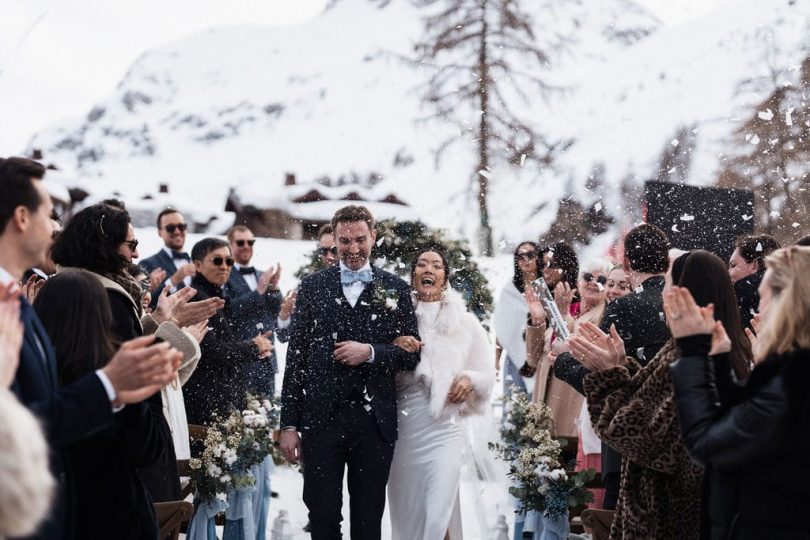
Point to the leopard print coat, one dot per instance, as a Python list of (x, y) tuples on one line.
[(633, 410)]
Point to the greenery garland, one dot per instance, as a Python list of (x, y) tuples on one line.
[(399, 241)]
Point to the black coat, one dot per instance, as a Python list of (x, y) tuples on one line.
[(314, 382), (68, 414), (747, 292), (161, 477), (256, 313), (639, 321), (759, 447), (218, 384), (111, 499)]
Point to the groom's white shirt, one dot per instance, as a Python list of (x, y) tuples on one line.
[(352, 293)]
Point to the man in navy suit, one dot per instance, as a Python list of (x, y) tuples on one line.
[(258, 307), (171, 266), (339, 383), (75, 411)]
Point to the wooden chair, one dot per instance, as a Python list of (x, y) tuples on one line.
[(598, 521), (171, 516)]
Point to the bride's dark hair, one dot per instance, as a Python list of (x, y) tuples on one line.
[(431, 249)]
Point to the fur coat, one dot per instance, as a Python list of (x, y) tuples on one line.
[(455, 344)]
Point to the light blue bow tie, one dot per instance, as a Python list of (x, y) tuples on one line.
[(347, 277)]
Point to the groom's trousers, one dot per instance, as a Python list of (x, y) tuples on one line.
[(351, 440)]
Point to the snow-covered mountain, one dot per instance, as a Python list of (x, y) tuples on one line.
[(240, 107)]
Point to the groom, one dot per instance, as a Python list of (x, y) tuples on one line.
[(339, 390)]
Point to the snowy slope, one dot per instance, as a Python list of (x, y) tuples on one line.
[(241, 106)]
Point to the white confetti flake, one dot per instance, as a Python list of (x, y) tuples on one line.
[(522, 159), (367, 407), (675, 228), (337, 300), (484, 173), (380, 241), (754, 140), (373, 316), (334, 335), (746, 217), (795, 224), (687, 217), (404, 412), (766, 115), (674, 142), (597, 206), (789, 116)]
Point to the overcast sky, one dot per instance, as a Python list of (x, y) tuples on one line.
[(59, 57)]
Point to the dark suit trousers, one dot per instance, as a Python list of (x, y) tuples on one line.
[(352, 439)]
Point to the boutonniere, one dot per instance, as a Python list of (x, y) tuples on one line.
[(386, 298)]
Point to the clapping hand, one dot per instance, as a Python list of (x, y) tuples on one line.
[(596, 350), (11, 336), (198, 331), (753, 332), (536, 310), (721, 343), (178, 307), (156, 277), (264, 342), (460, 390), (269, 279), (288, 305), (684, 316), (563, 296), (140, 368), (408, 343), (31, 287)]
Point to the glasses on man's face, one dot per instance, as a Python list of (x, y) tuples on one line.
[(219, 260), (588, 277), (171, 227), (133, 244), (325, 250), (527, 255), (241, 243)]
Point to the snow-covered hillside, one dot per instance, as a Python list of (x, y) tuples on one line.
[(241, 106)]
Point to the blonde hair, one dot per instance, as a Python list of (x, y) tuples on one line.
[(27, 486), (786, 326)]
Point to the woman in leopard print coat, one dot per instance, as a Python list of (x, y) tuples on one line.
[(633, 410)]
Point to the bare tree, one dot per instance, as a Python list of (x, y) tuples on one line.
[(487, 60)]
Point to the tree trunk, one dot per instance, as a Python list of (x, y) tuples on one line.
[(485, 231)]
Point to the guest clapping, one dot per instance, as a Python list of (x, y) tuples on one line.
[(760, 442), (219, 383)]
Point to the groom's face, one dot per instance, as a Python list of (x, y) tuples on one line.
[(354, 241)]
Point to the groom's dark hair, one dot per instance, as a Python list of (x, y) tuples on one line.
[(352, 213)]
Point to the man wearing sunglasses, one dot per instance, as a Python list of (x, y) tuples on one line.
[(327, 247), (258, 306), (171, 266)]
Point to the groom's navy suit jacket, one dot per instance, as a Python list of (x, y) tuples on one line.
[(315, 384), (68, 414)]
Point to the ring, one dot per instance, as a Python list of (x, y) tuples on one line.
[(676, 316)]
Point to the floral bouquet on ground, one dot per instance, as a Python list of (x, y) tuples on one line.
[(541, 481)]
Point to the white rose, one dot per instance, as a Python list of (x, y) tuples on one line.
[(225, 478), (391, 304), (213, 471), (222, 497)]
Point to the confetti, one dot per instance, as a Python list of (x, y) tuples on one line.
[(687, 217), (597, 206), (789, 117), (754, 140), (759, 247), (522, 159), (674, 142), (484, 173), (766, 115)]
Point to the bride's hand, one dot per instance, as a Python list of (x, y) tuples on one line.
[(408, 343), (460, 390)]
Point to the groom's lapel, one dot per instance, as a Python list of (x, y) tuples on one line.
[(367, 295), (335, 287)]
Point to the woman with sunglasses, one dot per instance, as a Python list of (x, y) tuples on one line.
[(218, 384), (101, 239), (510, 317)]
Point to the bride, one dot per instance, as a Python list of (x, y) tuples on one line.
[(453, 380)]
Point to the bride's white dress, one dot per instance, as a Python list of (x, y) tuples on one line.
[(423, 486)]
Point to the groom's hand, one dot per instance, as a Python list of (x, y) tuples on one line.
[(352, 353), (290, 445)]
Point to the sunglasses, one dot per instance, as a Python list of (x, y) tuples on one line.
[(325, 250), (133, 244), (241, 243), (588, 277), (219, 260), (527, 255), (171, 227)]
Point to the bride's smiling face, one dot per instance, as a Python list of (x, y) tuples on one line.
[(429, 276)]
